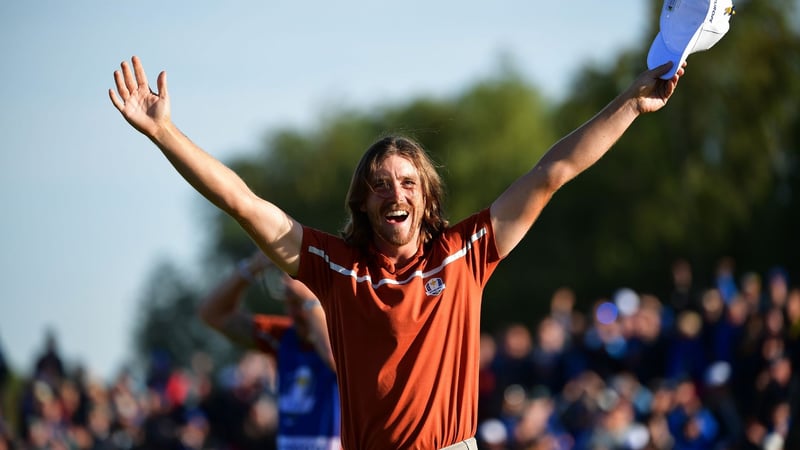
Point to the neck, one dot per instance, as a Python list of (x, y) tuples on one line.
[(399, 255)]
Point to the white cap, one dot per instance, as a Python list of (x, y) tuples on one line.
[(686, 27)]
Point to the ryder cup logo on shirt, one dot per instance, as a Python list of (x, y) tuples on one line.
[(434, 286)]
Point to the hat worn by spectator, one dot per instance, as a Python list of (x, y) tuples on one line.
[(686, 27)]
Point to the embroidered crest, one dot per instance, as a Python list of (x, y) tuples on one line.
[(434, 286)]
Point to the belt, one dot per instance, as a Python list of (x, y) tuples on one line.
[(468, 444)]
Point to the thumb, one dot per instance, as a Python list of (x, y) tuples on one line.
[(162, 85), (663, 69)]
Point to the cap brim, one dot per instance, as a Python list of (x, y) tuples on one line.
[(659, 54)]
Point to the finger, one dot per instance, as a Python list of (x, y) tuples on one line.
[(138, 70), (161, 83), (669, 87), (118, 103), (675, 78), (682, 69), (127, 76), (121, 88)]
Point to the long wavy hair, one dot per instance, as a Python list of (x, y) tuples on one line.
[(358, 230)]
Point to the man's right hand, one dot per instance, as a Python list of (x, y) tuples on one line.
[(145, 110)]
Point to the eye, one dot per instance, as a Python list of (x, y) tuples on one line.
[(380, 186), (409, 184)]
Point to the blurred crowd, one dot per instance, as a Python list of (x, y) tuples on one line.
[(703, 366), (714, 367), (167, 408)]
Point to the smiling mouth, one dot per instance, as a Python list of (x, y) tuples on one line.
[(396, 216)]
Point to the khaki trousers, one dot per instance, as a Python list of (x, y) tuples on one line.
[(468, 444)]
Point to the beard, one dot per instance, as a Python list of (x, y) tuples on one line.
[(397, 236), (394, 236)]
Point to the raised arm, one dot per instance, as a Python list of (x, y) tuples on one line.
[(221, 308), (277, 234), (314, 325), (515, 211)]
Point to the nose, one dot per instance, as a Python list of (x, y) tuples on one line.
[(396, 191), (389, 191)]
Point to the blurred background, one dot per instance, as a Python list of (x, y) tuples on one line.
[(687, 222)]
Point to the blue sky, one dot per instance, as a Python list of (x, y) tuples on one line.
[(90, 206)]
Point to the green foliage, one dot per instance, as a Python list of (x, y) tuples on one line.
[(499, 127), (168, 327), (714, 173)]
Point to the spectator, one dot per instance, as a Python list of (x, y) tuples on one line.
[(539, 426), (683, 295), (514, 364), (308, 395), (663, 401), (649, 343), (579, 406), (562, 308), (725, 279), (49, 366), (690, 422), (720, 400), (616, 427), (686, 357), (773, 389), (752, 292), (604, 341), (548, 358), (777, 287)]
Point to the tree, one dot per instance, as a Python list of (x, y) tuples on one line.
[(714, 173), (168, 332)]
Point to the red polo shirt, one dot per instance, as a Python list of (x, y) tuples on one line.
[(405, 339)]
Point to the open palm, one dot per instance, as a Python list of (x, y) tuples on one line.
[(146, 110)]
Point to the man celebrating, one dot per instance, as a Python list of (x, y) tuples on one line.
[(401, 288)]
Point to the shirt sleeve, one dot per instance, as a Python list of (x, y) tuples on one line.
[(268, 330), (475, 232), (315, 263)]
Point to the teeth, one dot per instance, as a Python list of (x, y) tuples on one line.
[(397, 214)]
